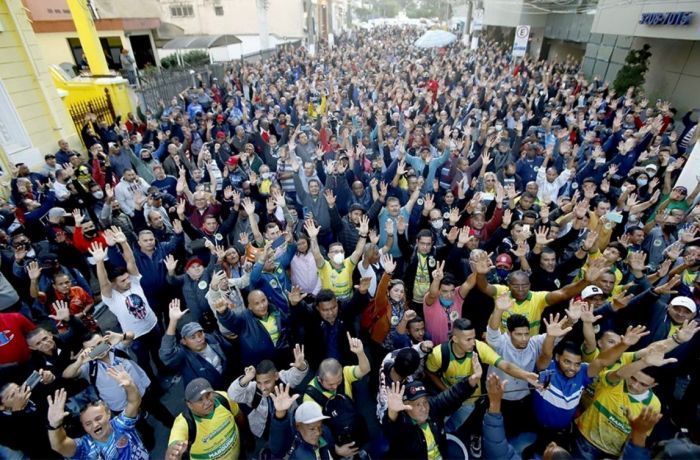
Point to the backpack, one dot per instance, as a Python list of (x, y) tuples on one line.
[(192, 425), (346, 423), (445, 353), (92, 367)]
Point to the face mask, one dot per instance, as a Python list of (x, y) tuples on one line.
[(338, 258), (642, 182), (499, 127), (98, 194), (502, 273), (446, 302), (90, 233), (437, 224), (265, 176), (669, 227)]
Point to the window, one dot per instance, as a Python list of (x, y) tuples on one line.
[(219, 10), (182, 11)]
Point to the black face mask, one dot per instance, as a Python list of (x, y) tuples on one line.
[(668, 228), (90, 233)]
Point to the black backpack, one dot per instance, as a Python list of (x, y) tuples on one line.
[(92, 367), (345, 421), (192, 425)]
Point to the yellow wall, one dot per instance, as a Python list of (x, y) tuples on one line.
[(55, 44), (24, 74)]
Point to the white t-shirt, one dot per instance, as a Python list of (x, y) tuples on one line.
[(131, 308)]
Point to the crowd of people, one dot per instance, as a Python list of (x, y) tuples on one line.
[(375, 251)]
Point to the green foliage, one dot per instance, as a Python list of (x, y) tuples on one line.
[(632, 73), (193, 58), (425, 10)]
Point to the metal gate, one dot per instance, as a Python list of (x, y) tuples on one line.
[(102, 107), (166, 84)]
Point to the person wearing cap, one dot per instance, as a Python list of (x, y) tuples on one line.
[(162, 181), (197, 354), (308, 437), (126, 190), (48, 267), (414, 420), (209, 427), (194, 284), (50, 166), (346, 229)]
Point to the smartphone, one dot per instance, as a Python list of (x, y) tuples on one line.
[(99, 350), (613, 216), (33, 380)]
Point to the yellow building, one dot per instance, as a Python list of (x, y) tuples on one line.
[(32, 116)]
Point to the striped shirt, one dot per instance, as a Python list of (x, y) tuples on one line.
[(123, 444), (285, 167), (555, 406)]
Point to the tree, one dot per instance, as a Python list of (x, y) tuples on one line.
[(632, 73)]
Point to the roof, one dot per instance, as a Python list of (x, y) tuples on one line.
[(201, 42)]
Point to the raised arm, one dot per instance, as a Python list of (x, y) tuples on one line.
[(611, 355), (555, 328), (99, 254), (357, 348), (60, 442), (363, 231), (483, 265), (249, 208), (133, 397), (312, 230)]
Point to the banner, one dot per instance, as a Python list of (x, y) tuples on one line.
[(478, 20), (522, 33)]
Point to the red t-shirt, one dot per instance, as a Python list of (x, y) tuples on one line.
[(13, 346)]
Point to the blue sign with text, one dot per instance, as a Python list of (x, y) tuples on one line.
[(680, 18)]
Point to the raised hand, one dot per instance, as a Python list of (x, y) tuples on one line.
[(394, 398), (541, 236), (667, 288), (330, 197), (634, 334), (299, 358), (587, 315), (388, 263), (687, 331), (97, 252), (495, 388), (504, 302), (311, 229), (120, 375), (295, 295), (62, 311), (575, 309), (364, 225), (118, 235), (439, 272), (174, 312), (636, 261), (77, 216), (170, 263), (483, 264), (356, 345), (401, 225), (364, 285), (282, 399), (34, 270), (656, 358), (57, 408), (555, 326)]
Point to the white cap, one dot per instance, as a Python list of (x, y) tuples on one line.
[(309, 412), (590, 291), (686, 302)]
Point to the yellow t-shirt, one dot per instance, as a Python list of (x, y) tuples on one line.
[(604, 424), (349, 376), (338, 281), (270, 325), (422, 280), (217, 435), (431, 446), (589, 392), (461, 368), (618, 273), (531, 308)]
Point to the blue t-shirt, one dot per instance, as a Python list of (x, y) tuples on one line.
[(123, 444), (556, 405), (167, 185)]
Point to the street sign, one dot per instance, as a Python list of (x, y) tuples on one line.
[(522, 33)]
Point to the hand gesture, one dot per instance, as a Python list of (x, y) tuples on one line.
[(645, 421), (587, 315), (495, 388), (295, 295), (667, 288), (596, 268), (633, 335), (311, 229), (177, 227), (463, 236), (174, 312), (62, 311), (120, 375), (170, 263), (57, 408), (355, 345), (77, 216), (109, 192), (118, 235), (454, 216), (483, 264), (330, 197), (364, 225), (401, 225), (429, 202), (34, 270), (621, 300), (97, 252), (388, 263), (687, 331), (575, 309), (282, 399), (248, 206), (656, 358), (555, 326), (394, 398), (364, 285), (541, 236), (636, 261), (521, 249), (439, 272), (299, 359)]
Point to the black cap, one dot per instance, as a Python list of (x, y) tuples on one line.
[(357, 207), (414, 390)]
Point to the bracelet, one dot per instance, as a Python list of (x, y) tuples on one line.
[(51, 428), (675, 339), (362, 236)]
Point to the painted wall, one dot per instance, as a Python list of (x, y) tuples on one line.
[(622, 18), (55, 45), (284, 17), (24, 75)]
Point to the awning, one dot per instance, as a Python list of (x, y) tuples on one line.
[(188, 42)]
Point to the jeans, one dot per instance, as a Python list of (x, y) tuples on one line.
[(459, 417), (587, 451), (146, 348)]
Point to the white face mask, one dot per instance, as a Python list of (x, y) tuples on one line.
[(499, 127), (265, 175), (437, 224), (98, 194), (338, 258)]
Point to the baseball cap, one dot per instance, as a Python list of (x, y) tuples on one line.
[(414, 390), (504, 259), (57, 212), (590, 291), (651, 167), (309, 412), (357, 207), (219, 117), (232, 161), (196, 389), (687, 302), (190, 329), (220, 135), (192, 261)]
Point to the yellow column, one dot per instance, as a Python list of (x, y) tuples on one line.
[(87, 33)]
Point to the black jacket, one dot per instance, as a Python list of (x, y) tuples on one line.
[(406, 439)]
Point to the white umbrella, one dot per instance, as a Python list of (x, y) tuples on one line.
[(435, 39)]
